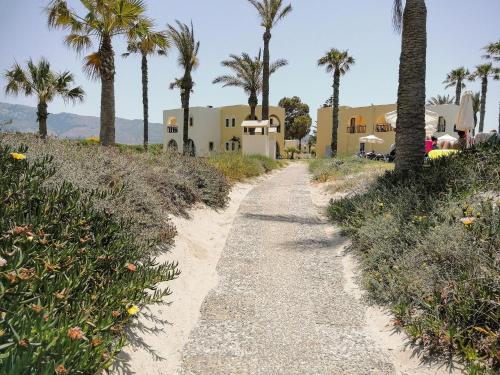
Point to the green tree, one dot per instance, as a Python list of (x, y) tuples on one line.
[(103, 20), (336, 62), (483, 73), (301, 127), (248, 76), (456, 79), (294, 107), (46, 85), (146, 42), (270, 13), (411, 19), (438, 100), (313, 138), (184, 40)]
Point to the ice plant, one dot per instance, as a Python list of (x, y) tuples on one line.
[(17, 156), (75, 333), (132, 310), (131, 267)]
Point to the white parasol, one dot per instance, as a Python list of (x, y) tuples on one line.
[(431, 118), (465, 116), (371, 139)]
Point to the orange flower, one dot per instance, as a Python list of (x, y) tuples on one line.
[(26, 273), (131, 267), (11, 277), (59, 295), (96, 342), (46, 317), (23, 343), (61, 369), (75, 333), (468, 220), (37, 308), (115, 314)]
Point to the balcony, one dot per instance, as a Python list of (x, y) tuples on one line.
[(172, 129), (383, 128), (353, 129)]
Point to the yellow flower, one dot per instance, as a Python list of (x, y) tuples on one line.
[(132, 310), (468, 220), (17, 156)]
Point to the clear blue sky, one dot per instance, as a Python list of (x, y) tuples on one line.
[(457, 30)]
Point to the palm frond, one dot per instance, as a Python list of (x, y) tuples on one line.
[(92, 65), (275, 65), (79, 42), (397, 15)]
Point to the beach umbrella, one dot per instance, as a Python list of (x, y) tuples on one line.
[(371, 139), (431, 118), (465, 116), (447, 138)]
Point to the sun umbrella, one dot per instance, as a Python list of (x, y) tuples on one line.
[(431, 118), (465, 116), (371, 139), (447, 138)]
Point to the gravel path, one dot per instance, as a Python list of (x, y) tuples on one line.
[(280, 305)]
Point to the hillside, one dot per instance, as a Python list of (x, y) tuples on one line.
[(69, 125)]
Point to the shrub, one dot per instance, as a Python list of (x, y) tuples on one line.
[(428, 244), (71, 276), (238, 167), (324, 170)]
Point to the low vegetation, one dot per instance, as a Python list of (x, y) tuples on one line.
[(71, 275), (238, 167), (350, 174), (428, 244)]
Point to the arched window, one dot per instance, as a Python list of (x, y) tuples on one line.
[(441, 124), (172, 145)]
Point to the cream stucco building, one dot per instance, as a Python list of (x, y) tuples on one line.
[(220, 129), (357, 122)]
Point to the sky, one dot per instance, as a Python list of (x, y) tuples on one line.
[(457, 30)]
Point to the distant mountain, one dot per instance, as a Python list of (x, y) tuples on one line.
[(68, 125)]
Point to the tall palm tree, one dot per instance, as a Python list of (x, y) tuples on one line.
[(438, 100), (248, 76), (410, 17), (493, 54), (476, 107), (270, 12), (103, 20), (188, 48), (146, 42), (336, 62), (456, 78), (39, 80), (483, 72)]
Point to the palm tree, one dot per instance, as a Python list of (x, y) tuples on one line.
[(483, 72), (476, 107), (188, 48), (438, 100), (39, 80), (336, 62), (146, 42), (456, 78), (410, 128), (104, 19), (492, 51), (270, 12), (248, 76)]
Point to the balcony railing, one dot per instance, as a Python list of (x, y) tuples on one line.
[(383, 128), (172, 129), (353, 129)]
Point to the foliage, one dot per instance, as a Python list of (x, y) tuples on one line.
[(291, 151), (301, 126), (336, 60), (492, 51), (438, 100), (294, 107), (428, 243), (71, 276), (238, 167), (324, 170), (271, 11)]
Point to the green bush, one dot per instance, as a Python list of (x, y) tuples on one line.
[(71, 276), (324, 170), (238, 167), (429, 247)]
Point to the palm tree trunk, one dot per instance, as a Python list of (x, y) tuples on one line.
[(144, 68), (185, 97), (498, 117), (107, 132), (410, 128), (265, 77), (335, 111), (482, 112), (42, 115), (252, 102), (458, 92)]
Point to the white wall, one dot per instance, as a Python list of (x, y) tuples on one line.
[(256, 145), (205, 129), (449, 112)]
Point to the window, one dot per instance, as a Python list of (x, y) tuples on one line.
[(233, 122), (245, 130), (227, 123), (353, 121), (441, 125), (210, 146), (172, 129), (191, 121), (271, 121), (233, 146), (227, 146)]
